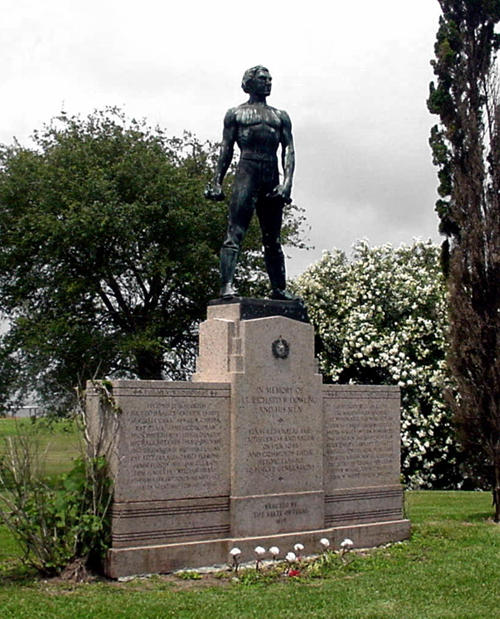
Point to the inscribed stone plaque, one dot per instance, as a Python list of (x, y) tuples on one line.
[(281, 449), (173, 440), (278, 513), (362, 436), (277, 412)]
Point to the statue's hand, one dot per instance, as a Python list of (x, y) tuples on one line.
[(214, 192), (280, 192)]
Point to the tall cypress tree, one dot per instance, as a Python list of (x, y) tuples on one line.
[(466, 149)]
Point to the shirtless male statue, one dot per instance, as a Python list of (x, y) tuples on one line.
[(258, 130)]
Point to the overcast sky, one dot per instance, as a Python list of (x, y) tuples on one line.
[(353, 76)]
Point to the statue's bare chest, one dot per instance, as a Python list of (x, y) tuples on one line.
[(259, 128), (253, 116)]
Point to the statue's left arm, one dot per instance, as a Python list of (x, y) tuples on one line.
[(287, 154), (284, 190)]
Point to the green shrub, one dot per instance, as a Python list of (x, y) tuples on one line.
[(56, 522)]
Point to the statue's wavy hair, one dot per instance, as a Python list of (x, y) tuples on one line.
[(250, 74)]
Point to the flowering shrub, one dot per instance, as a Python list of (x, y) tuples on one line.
[(381, 319)]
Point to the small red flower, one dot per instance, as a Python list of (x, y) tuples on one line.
[(293, 573)]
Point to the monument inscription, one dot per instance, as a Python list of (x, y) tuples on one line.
[(183, 452), (174, 444), (361, 424), (279, 435)]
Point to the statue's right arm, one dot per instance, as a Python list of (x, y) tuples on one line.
[(227, 146), (214, 191)]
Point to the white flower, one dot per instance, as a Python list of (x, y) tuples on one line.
[(291, 557), (298, 547), (274, 550), (235, 552), (347, 543), (259, 551), (324, 542)]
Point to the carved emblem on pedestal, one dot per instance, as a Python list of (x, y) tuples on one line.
[(281, 348)]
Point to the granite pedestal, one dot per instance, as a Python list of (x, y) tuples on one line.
[(254, 451)]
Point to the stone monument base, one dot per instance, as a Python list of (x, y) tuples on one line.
[(255, 451), (185, 555)]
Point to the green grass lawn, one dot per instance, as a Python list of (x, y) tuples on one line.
[(449, 568), (59, 441)]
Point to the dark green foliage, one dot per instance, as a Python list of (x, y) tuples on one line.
[(465, 45), (108, 254), (466, 148)]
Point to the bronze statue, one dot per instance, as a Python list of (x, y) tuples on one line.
[(258, 129)]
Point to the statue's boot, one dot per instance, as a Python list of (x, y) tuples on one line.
[(228, 260), (281, 294), (275, 265)]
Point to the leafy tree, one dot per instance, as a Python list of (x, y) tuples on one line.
[(466, 149), (108, 253), (381, 319)]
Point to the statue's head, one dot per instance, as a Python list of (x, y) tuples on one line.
[(253, 76)]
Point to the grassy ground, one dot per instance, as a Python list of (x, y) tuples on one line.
[(449, 568), (59, 441)]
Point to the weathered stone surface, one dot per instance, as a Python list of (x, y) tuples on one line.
[(253, 516), (170, 461), (362, 435), (276, 410), (255, 451), (362, 452), (170, 557), (173, 440)]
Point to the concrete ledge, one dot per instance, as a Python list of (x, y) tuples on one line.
[(170, 557)]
